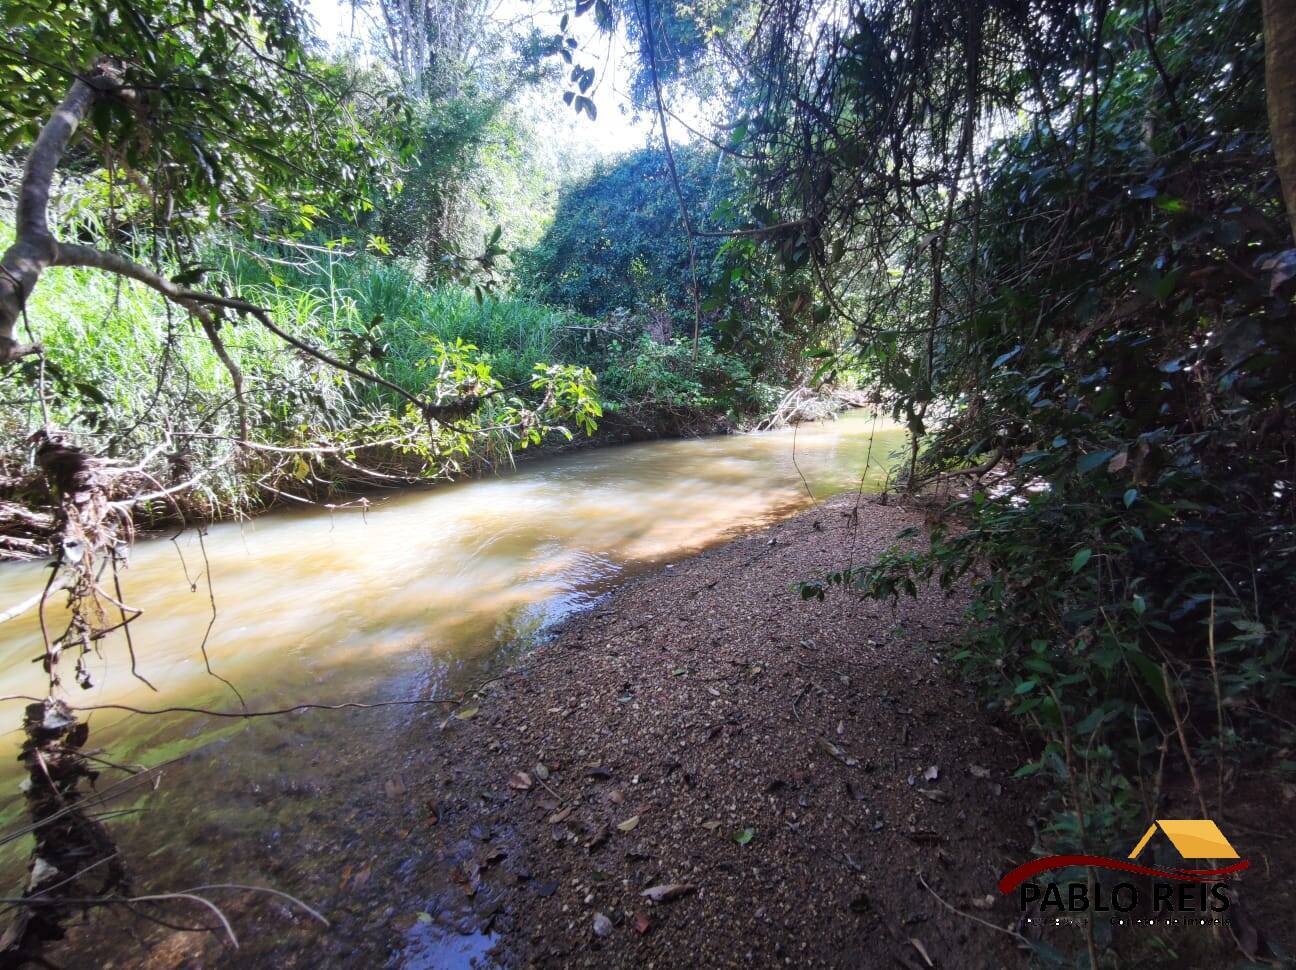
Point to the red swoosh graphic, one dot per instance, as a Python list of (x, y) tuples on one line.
[(1028, 870)]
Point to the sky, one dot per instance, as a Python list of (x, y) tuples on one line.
[(616, 129)]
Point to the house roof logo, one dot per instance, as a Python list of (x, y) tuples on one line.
[(1192, 838)]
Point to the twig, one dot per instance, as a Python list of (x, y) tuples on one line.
[(976, 919), (211, 595), (158, 897), (276, 712), (263, 889), (1183, 741), (1219, 708), (31, 602), (125, 628)]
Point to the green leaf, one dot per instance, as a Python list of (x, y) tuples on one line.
[(1028, 769), (1080, 558), (1131, 494), (1094, 459), (1149, 671), (743, 836)]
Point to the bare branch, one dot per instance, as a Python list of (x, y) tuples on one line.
[(34, 249), (32, 602)]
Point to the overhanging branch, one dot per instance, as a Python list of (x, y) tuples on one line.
[(34, 250)]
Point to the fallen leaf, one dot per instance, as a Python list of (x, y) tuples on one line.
[(598, 838), (395, 788), (931, 774), (629, 824), (977, 771), (521, 781), (641, 922), (560, 815), (933, 794), (602, 925), (922, 950), (743, 836), (837, 752), (465, 713), (597, 772), (984, 902), (540, 771), (615, 796), (831, 748), (425, 917), (711, 825), (667, 891)]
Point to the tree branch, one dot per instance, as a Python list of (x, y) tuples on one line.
[(670, 164), (34, 250)]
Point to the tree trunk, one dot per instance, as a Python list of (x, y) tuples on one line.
[(1280, 84)]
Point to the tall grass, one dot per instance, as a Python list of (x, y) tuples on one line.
[(122, 367), (350, 293)]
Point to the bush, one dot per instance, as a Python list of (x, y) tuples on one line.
[(647, 374), (1130, 357)]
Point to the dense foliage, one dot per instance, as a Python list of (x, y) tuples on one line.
[(617, 242), (1048, 235), (222, 112), (1057, 236)]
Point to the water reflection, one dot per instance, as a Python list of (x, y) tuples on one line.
[(296, 593)]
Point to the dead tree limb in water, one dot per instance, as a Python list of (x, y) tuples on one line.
[(74, 856)]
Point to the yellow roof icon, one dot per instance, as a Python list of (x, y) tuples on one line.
[(1195, 838)]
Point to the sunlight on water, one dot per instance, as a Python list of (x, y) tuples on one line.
[(453, 571)]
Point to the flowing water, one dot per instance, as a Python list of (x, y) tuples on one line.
[(424, 593)]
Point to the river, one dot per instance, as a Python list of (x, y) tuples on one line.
[(421, 594)]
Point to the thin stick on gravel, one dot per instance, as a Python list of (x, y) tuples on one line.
[(976, 919)]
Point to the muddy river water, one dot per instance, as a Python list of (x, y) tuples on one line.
[(422, 594)]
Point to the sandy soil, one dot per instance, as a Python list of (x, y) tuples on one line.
[(796, 769)]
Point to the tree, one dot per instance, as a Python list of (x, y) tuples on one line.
[(1054, 233), (200, 115), (617, 241), (1280, 84)]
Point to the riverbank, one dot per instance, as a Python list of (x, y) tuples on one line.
[(336, 482), (812, 778), (791, 772)]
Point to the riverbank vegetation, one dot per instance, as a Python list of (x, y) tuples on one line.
[(1053, 238)]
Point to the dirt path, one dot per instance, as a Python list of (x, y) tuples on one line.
[(797, 766)]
